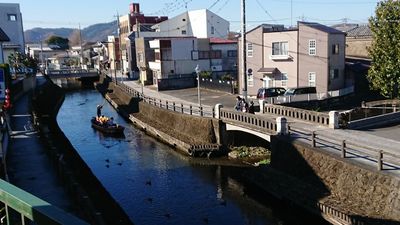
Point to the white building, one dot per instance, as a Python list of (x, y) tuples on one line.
[(176, 57), (11, 24), (197, 23)]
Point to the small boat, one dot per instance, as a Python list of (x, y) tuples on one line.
[(106, 129)]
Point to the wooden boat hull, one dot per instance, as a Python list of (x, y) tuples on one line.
[(118, 129)]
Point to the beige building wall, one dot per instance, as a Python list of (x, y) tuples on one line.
[(317, 63), (287, 65), (254, 62), (358, 47), (336, 61)]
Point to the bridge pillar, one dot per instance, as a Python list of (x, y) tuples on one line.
[(282, 126), (334, 119), (217, 110), (262, 106)]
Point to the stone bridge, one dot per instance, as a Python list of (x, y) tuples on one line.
[(71, 73)]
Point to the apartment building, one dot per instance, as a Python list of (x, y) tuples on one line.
[(11, 24), (309, 55), (3, 38), (196, 23)]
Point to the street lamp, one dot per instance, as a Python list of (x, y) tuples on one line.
[(197, 70)]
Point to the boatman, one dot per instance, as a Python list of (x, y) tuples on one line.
[(99, 107)]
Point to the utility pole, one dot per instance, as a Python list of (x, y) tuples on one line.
[(140, 73), (115, 49), (243, 46), (291, 13), (80, 42)]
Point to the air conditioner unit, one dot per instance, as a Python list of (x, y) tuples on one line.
[(216, 68)]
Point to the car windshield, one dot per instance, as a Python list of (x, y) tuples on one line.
[(290, 91)]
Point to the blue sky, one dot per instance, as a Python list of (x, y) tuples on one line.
[(71, 13)]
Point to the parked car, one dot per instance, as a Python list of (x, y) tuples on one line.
[(300, 91), (270, 92)]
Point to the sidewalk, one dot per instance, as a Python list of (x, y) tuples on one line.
[(28, 166)]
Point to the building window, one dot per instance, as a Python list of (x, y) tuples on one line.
[(312, 47), (335, 49), (215, 54), (249, 49), (334, 74), (280, 48), (183, 32), (212, 30), (284, 79), (311, 79), (232, 53), (12, 17), (204, 54)]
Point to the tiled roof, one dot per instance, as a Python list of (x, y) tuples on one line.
[(3, 36), (322, 28), (360, 31), (214, 40)]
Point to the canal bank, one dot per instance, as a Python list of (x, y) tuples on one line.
[(94, 203), (339, 187)]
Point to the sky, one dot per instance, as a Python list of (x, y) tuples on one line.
[(72, 13)]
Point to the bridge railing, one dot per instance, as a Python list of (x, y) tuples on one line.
[(18, 206), (204, 111), (383, 159), (248, 120), (296, 113)]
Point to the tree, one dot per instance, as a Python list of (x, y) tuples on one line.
[(75, 38), (57, 42), (384, 74)]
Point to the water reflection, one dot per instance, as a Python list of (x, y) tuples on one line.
[(153, 183)]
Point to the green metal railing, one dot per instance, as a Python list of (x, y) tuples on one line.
[(18, 207)]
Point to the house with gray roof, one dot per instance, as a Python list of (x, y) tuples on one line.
[(309, 55)]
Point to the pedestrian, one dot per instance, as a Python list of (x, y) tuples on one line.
[(99, 107), (251, 108), (238, 105), (245, 105)]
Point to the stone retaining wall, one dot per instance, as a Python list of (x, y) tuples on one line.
[(360, 191)]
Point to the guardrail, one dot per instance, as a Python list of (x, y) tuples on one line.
[(310, 97), (248, 120), (204, 111), (19, 206), (345, 147), (296, 113)]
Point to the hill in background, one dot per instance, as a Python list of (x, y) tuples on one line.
[(93, 33)]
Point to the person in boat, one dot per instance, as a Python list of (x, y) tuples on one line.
[(99, 107), (110, 122)]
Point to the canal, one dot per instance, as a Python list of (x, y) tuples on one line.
[(156, 185)]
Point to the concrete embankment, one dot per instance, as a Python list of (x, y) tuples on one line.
[(95, 203), (340, 190), (181, 131)]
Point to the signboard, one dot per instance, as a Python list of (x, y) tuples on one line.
[(2, 86)]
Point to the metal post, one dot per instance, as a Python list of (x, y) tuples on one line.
[(243, 46), (344, 149), (380, 157), (173, 105), (313, 139), (201, 111), (197, 69), (190, 110), (182, 108), (166, 104)]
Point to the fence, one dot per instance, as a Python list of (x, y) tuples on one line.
[(346, 148), (309, 97), (204, 111), (220, 85), (19, 206), (307, 115), (249, 120)]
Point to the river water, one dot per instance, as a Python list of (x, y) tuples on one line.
[(156, 185)]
